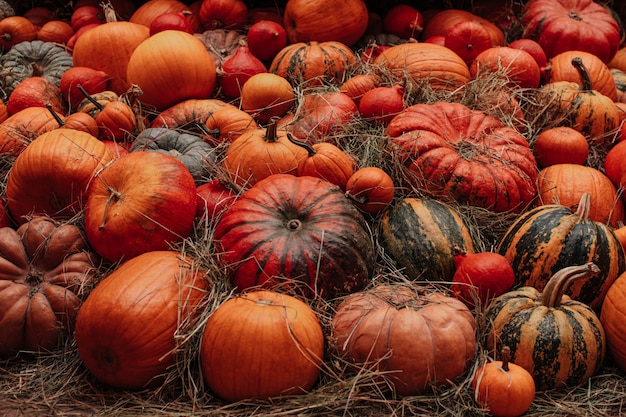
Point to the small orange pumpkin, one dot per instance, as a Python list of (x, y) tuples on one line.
[(371, 189), (16, 29), (560, 145), (267, 95)]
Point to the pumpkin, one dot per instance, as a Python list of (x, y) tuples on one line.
[(314, 63), (560, 341), (217, 14), (326, 161), (479, 277), (371, 189), (259, 153), (220, 43), (297, 232), (347, 24), (47, 271), (285, 330), (564, 25), (237, 69), (468, 39), (502, 387), (116, 119), (214, 197), (356, 86), (198, 156), (422, 63), (613, 164), (561, 68), (582, 108), (149, 10), (51, 176), (214, 120), (403, 21), (170, 67), (141, 202), (560, 145), (415, 338), (93, 104), (36, 91), (14, 30), (115, 42), (565, 183), (440, 23), (171, 21), (266, 38), (266, 96), (35, 58), (19, 129), (612, 319), (57, 31), (126, 330), (548, 238), (381, 104), (421, 235), (519, 67), (433, 141)]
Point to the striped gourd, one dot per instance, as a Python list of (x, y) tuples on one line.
[(560, 341), (314, 63), (421, 234), (551, 237)]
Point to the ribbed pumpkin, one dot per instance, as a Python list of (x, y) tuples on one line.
[(313, 63), (560, 341), (298, 232), (169, 67), (425, 64), (126, 330), (612, 318), (19, 129), (549, 238), (465, 156), (602, 81), (421, 236)]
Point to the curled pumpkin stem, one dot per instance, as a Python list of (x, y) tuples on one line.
[(310, 149), (114, 196)]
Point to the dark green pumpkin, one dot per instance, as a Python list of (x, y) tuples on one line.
[(198, 156), (549, 238), (299, 233), (560, 341), (421, 234)]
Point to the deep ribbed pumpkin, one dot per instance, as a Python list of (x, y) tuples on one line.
[(549, 238), (314, 63), (560, 341), (465, 156), (298, 232), (421, 236), (425, 63)]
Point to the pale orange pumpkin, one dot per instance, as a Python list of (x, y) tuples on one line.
[(266, 96), (371, 189)]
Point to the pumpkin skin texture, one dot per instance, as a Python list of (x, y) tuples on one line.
[(442, 68), (562, 25), (612, 318), (299, 232), (19, 129), (407, 333), (504, 388), (162, 288), (286, 347), (47, 271), (548, 238), (560, 145), (307, 21), (421, 236), (169, 67), (51, 176), (561, 69), (432, 140), (313, 63), (141, 202), (560, 341)]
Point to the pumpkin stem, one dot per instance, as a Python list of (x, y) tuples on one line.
[(114, 196), (562, 279), (505, 356), (55, 115), (584, 206), (93, 101), (109, 12), (585, 78), (271, 132), (310, 149)]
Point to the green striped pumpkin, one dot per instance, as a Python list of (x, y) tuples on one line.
[(549, 238), (560, 341), (421, 234), (313, 63)]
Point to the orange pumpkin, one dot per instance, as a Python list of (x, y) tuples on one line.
[(151, 9), (16, 29), (562, 69), (36, 91), (57, 31), (170, 67), (371, 189), (267, 95), (560, 145), (19, 129), (355, 87), (126, 330), (520, 68), (443, 20), (288, 334)]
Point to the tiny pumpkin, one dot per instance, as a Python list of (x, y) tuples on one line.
[(371, 189)]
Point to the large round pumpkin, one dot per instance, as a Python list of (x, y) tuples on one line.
[(560, 341), (297, 232), (47, 270), (51, 176), (169, 67), (261, 344), (141, 202), (416, 338), (126, 328), (465, 156), (549, 238), (612, 318), (421, 235)]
